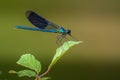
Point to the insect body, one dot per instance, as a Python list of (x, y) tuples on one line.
[(41, 24)]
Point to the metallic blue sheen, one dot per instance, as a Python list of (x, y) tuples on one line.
[(62, 30), (36, 29), (42, 24)]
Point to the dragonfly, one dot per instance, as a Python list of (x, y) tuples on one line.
[(42, 24)]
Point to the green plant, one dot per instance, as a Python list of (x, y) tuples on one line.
[(34, 66)]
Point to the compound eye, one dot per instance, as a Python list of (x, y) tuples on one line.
[(69, 32)]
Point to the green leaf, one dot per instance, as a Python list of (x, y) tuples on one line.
[(12, 71), (22, 73), (28, 73), (29, 61), (61, 51), (45, 78)]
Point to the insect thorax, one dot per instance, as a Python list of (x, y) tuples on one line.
[(61, 30)]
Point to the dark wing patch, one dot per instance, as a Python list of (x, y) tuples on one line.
[(36, 20)]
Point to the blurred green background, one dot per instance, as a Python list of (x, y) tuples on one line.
[(96, 22)]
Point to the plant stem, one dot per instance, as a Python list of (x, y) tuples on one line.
[(37, 78), (46, 72)]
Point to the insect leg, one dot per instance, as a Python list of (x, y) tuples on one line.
[(73, 37), (58, 40)]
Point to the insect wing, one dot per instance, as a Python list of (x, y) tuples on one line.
[(40, 22)]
